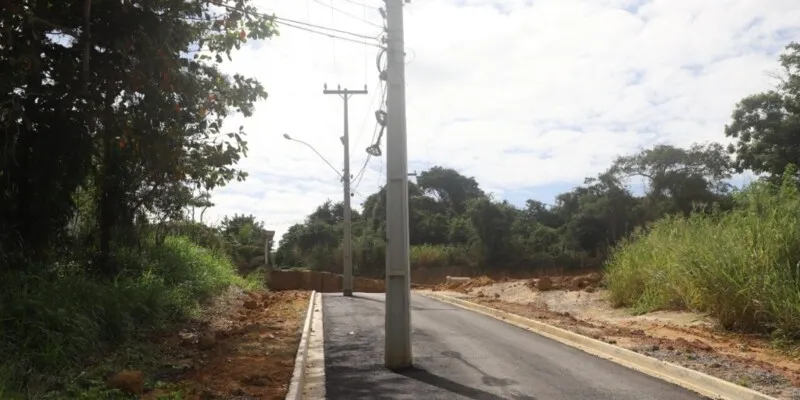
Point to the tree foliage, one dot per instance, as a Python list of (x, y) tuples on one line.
[(124, 100), (449, 209), (766, 126)]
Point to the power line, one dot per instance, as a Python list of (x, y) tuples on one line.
[(328, 34), (360, 175), (348, 14), (361, 4), (306, 26), (364, 121), (333, 44)]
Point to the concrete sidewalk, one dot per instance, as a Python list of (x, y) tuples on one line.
[(459, 354)]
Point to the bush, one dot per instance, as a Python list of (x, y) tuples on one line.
[(742, 267), (51, 321), (431, 256)]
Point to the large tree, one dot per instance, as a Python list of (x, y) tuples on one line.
[(450, 187), (125, 98), (766, 125), (678, 178)]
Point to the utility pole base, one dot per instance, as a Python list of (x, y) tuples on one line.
[(347, 293), (397, 350), (402, 369)]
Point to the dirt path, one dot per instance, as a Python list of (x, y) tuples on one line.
[(242, 346), (683, 338), (245, 350)]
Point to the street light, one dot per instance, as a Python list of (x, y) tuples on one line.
[(347, 242), (287, 137)]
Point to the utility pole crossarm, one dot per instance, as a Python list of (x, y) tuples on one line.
[(347, 242), (345, 91)]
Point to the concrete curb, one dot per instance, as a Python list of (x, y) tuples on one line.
[(314, 383), (299, 373), (701, 383)]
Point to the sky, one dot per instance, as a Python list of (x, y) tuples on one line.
[(529, 97)]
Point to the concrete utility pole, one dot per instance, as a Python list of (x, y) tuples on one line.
[(347, 242), (398, 288), (267, 247)]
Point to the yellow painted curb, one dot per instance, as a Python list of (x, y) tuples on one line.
[(699, 382)]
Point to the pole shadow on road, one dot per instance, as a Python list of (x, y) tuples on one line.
[(424, 376), (354, 365)]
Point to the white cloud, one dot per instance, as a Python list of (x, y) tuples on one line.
[(519, 94)]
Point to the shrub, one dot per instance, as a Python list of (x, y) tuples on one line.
[(742, 267), (431, 256), (52, 320)]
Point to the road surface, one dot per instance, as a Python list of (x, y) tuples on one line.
[(459, 354)]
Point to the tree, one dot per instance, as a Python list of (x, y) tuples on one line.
[(578, 230), (678, 179), (46, 146), (246, 239), (766, 125), (492, 223), (158, 115), (139, 126), (449, 187)]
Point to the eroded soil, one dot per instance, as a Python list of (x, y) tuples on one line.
[(240, 346), (255, 339)]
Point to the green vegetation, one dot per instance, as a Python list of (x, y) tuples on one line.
[(56, 318), (690, 241), (739, 266), (454, 223), (113, 135), (112, 118)]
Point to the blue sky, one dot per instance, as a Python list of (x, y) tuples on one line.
[(529, 97)]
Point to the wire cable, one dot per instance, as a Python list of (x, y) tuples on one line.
[(328, 34), (360, 175), (358, 35), (361, 4), (366, 116), (333, 44), (306, 25), (348, 14)]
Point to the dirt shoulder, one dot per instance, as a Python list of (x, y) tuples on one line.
[(242, 346), (683, 338), (255, 338)]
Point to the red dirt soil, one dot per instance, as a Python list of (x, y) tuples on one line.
[(251, 354)]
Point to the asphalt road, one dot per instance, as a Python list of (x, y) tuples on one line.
[(459, 354)]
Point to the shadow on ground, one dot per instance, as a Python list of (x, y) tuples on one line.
[(354, 361)]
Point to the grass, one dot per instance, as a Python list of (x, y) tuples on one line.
[(54, 320), (741, 267), (431, 256), (369, 257)]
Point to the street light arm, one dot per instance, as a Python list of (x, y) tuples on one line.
[(315, 151)]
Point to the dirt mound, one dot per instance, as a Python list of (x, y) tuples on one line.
[(477, 282), (465, 287), (588, 282)]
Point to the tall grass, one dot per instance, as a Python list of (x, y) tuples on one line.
[(369, 256), (742, 267), (51, 321), (431, 256)]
